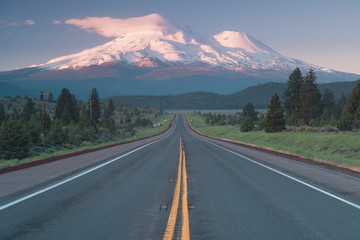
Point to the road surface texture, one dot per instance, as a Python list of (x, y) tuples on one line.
[(232, 193)]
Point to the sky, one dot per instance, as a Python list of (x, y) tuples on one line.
[(321, 32)]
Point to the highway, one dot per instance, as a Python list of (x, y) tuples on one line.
[(230, 192)]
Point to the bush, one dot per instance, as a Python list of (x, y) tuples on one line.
[(328, 128), (247, 124), (291, 129), (56, 134), (14, 140)]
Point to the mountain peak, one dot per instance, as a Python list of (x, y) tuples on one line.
[(244, 41), (152, 41)]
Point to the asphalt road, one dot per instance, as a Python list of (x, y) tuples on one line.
[(230, 196)]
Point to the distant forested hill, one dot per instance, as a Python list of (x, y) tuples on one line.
[(259, 95)]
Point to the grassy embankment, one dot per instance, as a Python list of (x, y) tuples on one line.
[(340, 149), (141, 133)]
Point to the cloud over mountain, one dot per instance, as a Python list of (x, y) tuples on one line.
[(115, 27)]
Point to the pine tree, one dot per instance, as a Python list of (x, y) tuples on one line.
[(275, 121), (110, 107), (109, 110), (14, 141), (28, 109), (50, 97), (66, 108), (249, 111), (261, 122), (95, 105), (249, 116), (41, 95), (291, 94), (108, 120), (310, 98), (56, 134), (339, 106), (328, 101), (2, 113), (247, 124), (33, 129), (351, 111), (47, 126)]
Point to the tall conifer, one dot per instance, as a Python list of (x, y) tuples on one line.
[(95, 105), (310, 98), (351, 111), (275, 121), (291, 94)]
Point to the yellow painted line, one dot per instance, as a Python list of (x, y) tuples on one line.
[(169, 231), (181, 187), (185, 230)]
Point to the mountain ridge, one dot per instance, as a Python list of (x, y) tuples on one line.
[(258, 95)]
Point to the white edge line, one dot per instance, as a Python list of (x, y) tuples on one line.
[(281, 173), (80, 174)]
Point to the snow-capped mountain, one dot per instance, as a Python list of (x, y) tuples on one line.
[(150, 55), (153, 42)]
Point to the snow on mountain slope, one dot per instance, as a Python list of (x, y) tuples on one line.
[(151, 40)]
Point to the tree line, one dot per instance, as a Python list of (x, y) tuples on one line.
[(302, 105), (32, 130)]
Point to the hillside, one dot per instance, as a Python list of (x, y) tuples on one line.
[(259, 95)]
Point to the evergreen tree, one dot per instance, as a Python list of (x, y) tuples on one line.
[(56, 134), (66, 108), (247, 124), (328, 101), (310, 98), (50, 97), (110, 107), (249, 111), (249, 116), (351, 111), (340, 105), (47, 125), (108, 120), (95, 105), (109, 110), (14, 141), (84, 119), (2, 113), (291, 94), (275, 121), (41, 95), (261, 122), (28, 109), (33, 129)]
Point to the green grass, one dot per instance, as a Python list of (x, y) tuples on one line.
[(341, 149), (141, 133)]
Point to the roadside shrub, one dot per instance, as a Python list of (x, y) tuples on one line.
[(14, 141), (291, 129), (305, 128), (87, 143), (328, 128)]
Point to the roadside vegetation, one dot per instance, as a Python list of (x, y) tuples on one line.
[(304, 123), (29, 133)]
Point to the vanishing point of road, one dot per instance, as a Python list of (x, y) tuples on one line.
[(179, 185)]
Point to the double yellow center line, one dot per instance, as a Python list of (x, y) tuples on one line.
[(181, 186)]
